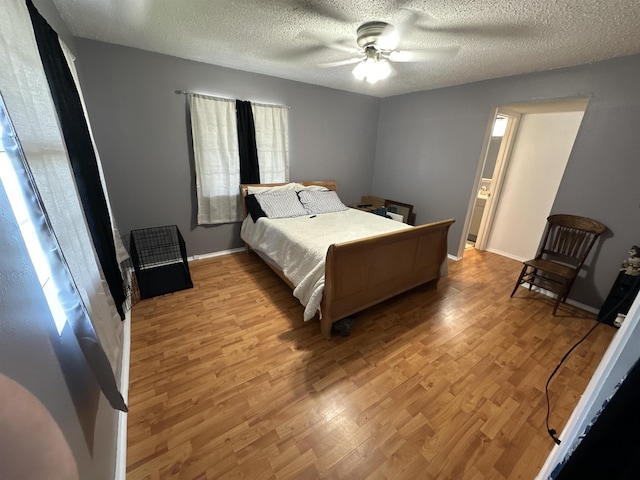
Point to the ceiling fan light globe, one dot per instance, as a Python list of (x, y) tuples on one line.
[(365, 68), (383, 69), (360, 70), (372, 70)]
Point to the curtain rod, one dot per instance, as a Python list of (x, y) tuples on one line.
[(184, 92)]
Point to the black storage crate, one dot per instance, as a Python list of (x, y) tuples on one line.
[(160, 261)]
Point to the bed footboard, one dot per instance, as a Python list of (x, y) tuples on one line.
[(362, 273)]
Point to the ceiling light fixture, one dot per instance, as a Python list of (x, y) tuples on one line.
[(373, 67)]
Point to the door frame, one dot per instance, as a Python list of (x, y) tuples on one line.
[(499, 171), (496, 184)]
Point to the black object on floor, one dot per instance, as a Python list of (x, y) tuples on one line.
[(622, 294), (343, 327), (160, 261)]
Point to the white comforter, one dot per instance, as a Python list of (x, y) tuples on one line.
[(299, 245)]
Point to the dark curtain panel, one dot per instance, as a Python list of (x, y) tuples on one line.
[(81, 154), (249, 169), (611, 448)]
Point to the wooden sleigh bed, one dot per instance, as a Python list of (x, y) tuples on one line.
[(361, 273)]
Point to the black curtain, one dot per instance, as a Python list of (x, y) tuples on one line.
[(611, 448), (81, 154), (249, 169)]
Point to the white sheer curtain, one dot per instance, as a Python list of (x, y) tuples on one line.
[(28, 101), (217, 161), (272, 141)]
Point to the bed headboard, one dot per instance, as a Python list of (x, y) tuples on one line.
[(330, 184)]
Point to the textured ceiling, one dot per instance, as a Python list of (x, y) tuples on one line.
[(289, 38)]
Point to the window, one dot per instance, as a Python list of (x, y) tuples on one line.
[(217, 159), (11, 184)]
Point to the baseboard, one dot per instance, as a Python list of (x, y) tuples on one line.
[(506, 254), (121, 439), (454, 258), (215, 254), (581, 306)]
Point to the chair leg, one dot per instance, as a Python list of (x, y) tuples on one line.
[(519, 282), (562, 297), (568, 288), (533, 272), (555, 306)]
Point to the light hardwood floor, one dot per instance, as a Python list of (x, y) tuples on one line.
[(227, 381)]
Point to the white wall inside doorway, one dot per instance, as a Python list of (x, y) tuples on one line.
[(538, 160)]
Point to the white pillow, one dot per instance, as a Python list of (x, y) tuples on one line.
[(278, 188), (280, 204), (321, 201)]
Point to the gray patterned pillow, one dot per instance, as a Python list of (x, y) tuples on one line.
[(280, 204), (321, 201)]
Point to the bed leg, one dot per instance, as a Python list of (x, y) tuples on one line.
[(325, 327)]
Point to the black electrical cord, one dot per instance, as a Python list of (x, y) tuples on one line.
[(552, 432)]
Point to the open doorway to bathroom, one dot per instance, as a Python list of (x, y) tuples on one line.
[(496, 159), (520, 187)]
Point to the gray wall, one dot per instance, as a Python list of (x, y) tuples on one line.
[(429, 147), (141, 131), (32, 353)]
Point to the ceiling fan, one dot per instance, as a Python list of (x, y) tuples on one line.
[(378, 47), (378, 41)]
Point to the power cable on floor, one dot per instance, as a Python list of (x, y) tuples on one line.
[(552, 432)]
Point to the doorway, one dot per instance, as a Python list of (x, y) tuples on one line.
[(500, 142), (514, 195)]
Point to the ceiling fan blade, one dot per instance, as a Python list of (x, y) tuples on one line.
[(401, 56), (300, 54), (390, 38), (478, 30), (320, 8), (339, 63), (336, 44), (408, 21), (426, 22)]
